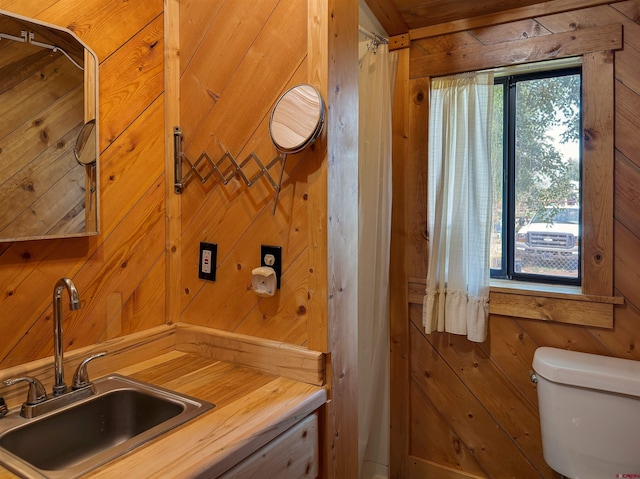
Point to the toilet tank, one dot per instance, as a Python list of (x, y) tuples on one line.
[(589, 413)]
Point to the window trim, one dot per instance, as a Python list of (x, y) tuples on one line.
[(596, 46), (508, 78)]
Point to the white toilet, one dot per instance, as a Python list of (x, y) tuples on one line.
[(589, 413)]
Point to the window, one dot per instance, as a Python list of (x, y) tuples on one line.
[(536, 175)]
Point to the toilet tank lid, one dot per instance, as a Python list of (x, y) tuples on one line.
[(588, 370)]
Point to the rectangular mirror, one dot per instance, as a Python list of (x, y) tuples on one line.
[(48, 132)]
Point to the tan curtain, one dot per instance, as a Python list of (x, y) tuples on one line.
[(376, 90), (459, 197)]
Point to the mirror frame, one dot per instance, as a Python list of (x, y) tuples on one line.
[(308, 136), (91, 106)]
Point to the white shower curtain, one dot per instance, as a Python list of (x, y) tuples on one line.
[(376, 90)]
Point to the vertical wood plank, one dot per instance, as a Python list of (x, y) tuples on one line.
[(317, 66), (416, 177), (597, 173), (399, 333), (172, 118), (342, 207)]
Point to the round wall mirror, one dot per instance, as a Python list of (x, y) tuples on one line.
[(297, 119), (296, 122)]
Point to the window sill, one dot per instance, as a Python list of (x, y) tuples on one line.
[(563, 304), (544, 302)]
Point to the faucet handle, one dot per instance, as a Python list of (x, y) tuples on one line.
[(81, 377), (36, 393)]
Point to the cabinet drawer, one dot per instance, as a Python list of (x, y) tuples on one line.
[(292, 455)]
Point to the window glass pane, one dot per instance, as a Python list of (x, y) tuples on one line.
[(547, 177), (497, 161)]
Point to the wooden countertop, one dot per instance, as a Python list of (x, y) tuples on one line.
[(252, 408)]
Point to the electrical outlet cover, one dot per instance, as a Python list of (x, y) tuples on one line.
[(207, 264)]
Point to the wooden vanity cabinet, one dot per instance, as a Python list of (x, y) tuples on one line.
[(292, 455)]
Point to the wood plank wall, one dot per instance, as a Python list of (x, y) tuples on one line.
[(471, 409), (120, 274), (236, 59)]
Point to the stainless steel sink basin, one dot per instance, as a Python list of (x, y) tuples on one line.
[(76, 439)]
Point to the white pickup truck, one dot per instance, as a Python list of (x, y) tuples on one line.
[(551, 239)]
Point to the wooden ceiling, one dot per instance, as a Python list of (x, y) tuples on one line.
[(401, 16)]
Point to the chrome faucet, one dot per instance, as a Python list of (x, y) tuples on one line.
[(59, 386), (38, 402)]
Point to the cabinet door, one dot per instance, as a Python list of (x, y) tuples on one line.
[(292, 455)]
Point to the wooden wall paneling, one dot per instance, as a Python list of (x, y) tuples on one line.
[(172, 118), (27, 294), (282, 317), (224, 216), (597, 173), (497, 19), (627, 69), (627, 192), (139, 80), (562, 336), (122, 169), (511, 31), (630, 8), (28, 270), (627, 130), (512, 341), (225, 212), (622, 342), (342, 234), (502, 400), (144, 309), (416, 256), (443, 44), (434, 440), (398, 301), (135, 246), (317, 68), (494, 449), (512, 349), (99, 23), (27, 8), (565, 44), (240, 109), (226, 302), (627, 264), (580, 19), (194, 21), (226, 44)]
